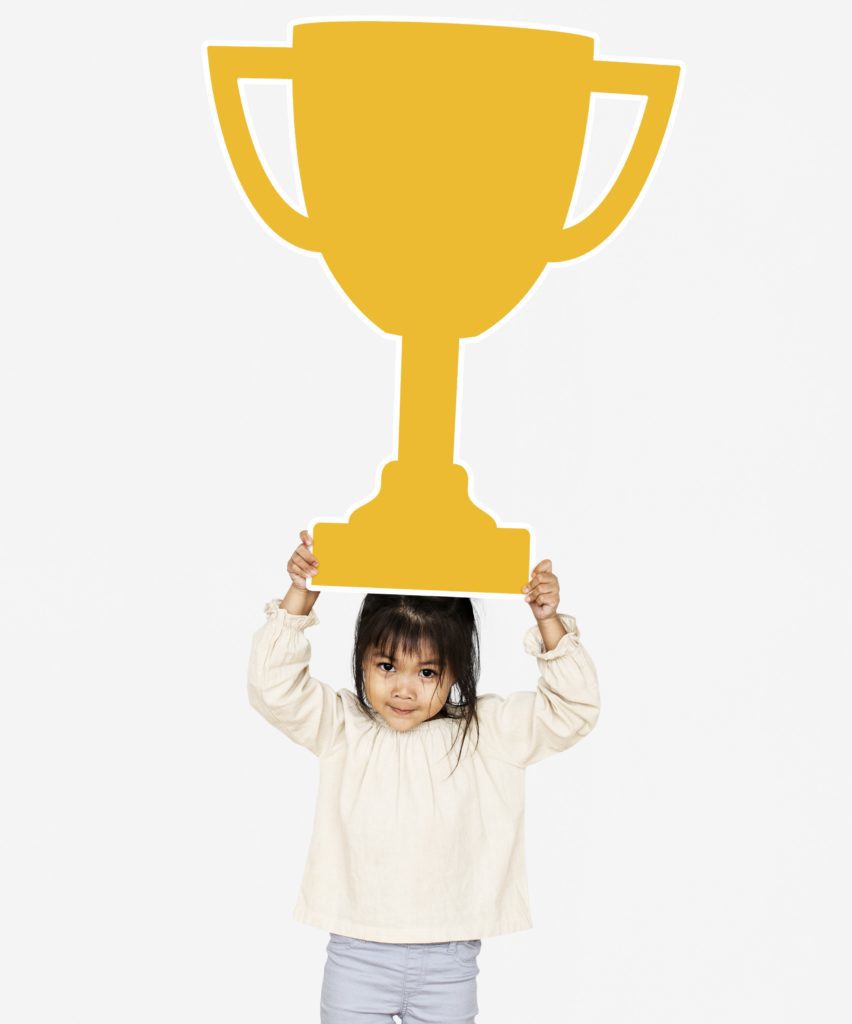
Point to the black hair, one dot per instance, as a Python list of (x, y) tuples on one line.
[(388, 622)]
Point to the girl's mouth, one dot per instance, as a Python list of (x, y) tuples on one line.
[(396, 711)]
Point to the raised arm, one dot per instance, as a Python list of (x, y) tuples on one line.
[(281, 687), (529, 725), (280, 684)]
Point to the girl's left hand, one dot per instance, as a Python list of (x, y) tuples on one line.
[(543, 591)]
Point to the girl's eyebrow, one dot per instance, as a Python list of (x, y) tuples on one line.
[(388, 657)]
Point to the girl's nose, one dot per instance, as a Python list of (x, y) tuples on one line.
[(405, 685)]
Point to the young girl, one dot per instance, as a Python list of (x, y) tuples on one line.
[(416, 856)]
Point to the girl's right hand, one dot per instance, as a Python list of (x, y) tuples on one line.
[(302, 562)]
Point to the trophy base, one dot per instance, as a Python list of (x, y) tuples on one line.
[(422, 532)]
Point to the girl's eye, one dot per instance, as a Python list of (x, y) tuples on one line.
[(386, 665)]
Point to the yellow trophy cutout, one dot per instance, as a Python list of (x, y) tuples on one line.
[(437, 162)]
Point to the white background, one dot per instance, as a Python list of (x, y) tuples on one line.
[(182, 392)]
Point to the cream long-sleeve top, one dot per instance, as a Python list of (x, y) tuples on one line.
[(402, 850)]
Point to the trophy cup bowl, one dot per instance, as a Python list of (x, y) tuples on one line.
[(437, 163)]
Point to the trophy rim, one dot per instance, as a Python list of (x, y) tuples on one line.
[(365, 23)]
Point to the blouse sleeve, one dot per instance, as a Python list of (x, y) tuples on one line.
[(529, 725), (280, 685)]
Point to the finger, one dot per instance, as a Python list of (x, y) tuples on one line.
[(544, 566), (299, 572), (306, 553), (539, 578), (302, 564), (305, 538), (542, 589), (543, 577), (298, 578)]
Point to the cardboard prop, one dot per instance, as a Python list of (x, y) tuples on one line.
[(437, 162)]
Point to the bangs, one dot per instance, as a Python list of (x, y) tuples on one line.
[(404, 635)]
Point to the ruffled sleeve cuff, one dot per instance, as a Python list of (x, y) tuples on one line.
[(272, 610), (534, 644)]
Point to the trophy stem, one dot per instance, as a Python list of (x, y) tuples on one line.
[(427, 401), (398, 539)]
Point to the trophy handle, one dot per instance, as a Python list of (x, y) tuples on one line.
[(659, 83), (228, 64)]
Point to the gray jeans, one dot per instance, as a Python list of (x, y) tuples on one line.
[(369, 982)]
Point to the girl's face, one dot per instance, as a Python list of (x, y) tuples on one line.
[(411, 683)]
